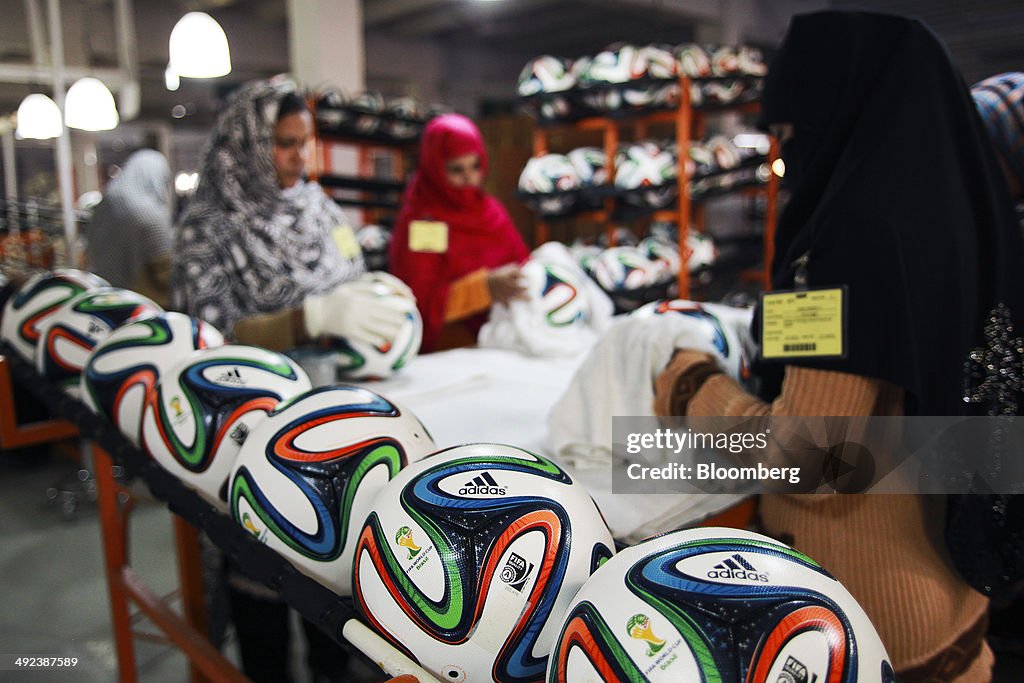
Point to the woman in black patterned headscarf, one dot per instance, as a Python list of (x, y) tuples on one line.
[(256, 237), (256, 240)]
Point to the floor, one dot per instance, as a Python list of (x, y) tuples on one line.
[(54, 595), (52, 585)]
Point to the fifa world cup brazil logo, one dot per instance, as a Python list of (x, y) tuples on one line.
[(176, 406), (248, 524), (403, 537), (639, 627)]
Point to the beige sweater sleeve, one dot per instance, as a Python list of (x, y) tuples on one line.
[(806, 392)]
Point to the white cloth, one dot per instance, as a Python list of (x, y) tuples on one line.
[(525, 325), (617, 379)]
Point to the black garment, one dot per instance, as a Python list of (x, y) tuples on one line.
[(896, 194), (263, 629)]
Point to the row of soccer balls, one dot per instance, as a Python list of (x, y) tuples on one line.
[(621, 63), (61, 320), (483, 562), (634, 77), (645, 173), (372, 114)]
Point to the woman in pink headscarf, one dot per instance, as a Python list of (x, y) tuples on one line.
[(454, 244)]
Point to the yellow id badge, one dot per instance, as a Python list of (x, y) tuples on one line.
[(428, 236), (345, 239), (803, 324)]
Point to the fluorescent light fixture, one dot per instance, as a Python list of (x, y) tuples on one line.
[(38, 118), (199, 48), (171, 79), (90, 106)]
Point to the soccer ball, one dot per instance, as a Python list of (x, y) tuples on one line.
[(591, 165), (469, 558), (717, 328), (716, 604), (304, 480), (548, 182), (35, 301), (545, 74), (69, 336), (204, 408), (694, 60), (126, 366), (625, 268), (560, 296), (358, 360), (646, 174)]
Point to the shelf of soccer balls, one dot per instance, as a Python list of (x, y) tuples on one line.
[(312, 600), (31, 236), (373, 192), (686, 119)]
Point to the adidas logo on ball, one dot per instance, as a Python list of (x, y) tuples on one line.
[(483, 485), (736, 567), (232, 376)]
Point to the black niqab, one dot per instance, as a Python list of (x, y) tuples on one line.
[(896, 195)]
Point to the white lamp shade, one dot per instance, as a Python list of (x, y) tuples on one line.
[(199, 48), (90, 106), (38, 118)]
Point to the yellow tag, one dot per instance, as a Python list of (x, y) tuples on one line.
[(345, 239), (428, 236), (803, 324)]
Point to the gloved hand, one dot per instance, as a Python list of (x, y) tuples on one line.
[(363, 310)]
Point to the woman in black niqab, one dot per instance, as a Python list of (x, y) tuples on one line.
[(896, 194)]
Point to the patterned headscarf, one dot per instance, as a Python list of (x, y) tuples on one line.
[(246, 246), (1000, 101), (131, 227)]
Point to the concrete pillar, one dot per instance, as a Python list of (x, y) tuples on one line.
[(325, 45)]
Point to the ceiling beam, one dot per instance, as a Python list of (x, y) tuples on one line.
[(694, 10), (378, 12), (469, 14)]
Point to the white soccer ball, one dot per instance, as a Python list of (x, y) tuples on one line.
[(205, 407), (468, 559), (716, 604), (126, 366), (67, 339), (304, 480), (36, 301)]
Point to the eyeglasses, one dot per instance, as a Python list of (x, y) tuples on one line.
[(288, 144)]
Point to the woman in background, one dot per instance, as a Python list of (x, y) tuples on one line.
[(256, 238), (130, 235), (454, 244)]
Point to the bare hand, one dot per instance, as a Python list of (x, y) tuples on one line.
[(505, 284)]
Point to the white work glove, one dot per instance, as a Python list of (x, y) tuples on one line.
[(364, 310)]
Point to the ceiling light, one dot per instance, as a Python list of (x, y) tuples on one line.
[(90, 106), (199, 48), (779, 167), (39, 118)]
